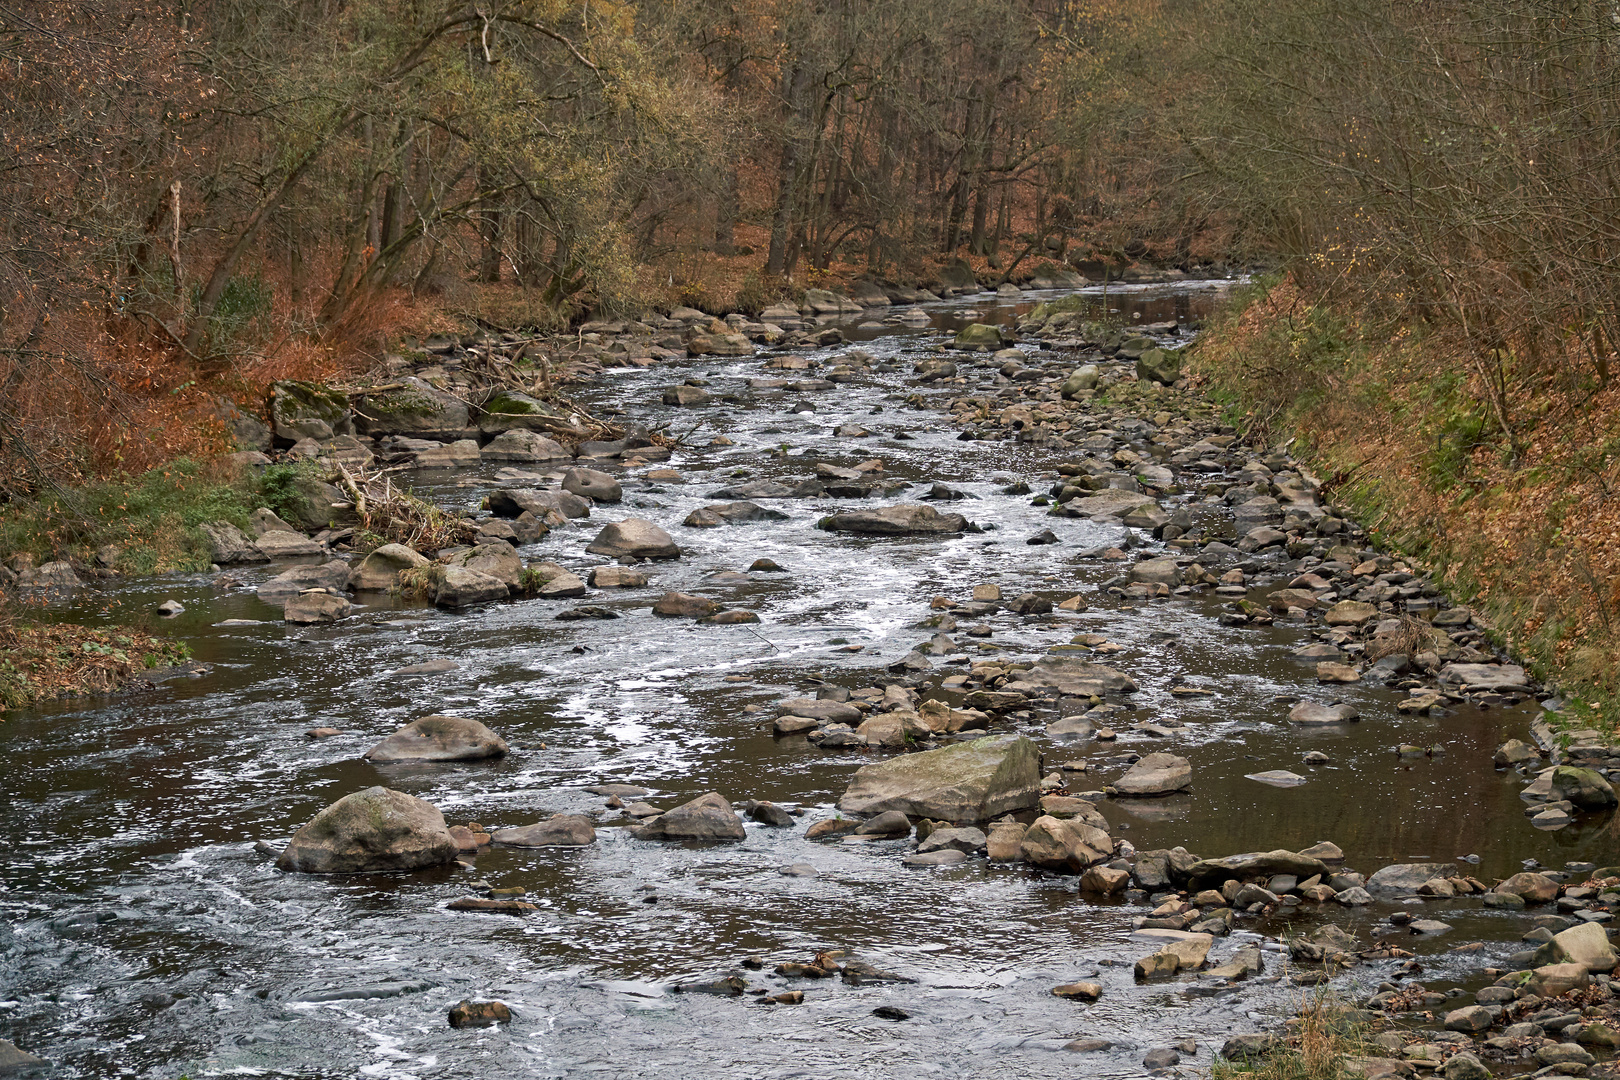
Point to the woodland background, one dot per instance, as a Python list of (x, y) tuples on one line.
[(199, 196)]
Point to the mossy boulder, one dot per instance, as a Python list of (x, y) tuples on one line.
[(1586, 789), (371, 831), (311, 504), (416, 410), (1159, 365), (978, 336), (306, 410), (507, 410)]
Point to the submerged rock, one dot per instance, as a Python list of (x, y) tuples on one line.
[(371, 831)]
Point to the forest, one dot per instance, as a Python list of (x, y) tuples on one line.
[(203, 195)]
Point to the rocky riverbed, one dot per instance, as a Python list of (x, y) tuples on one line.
[(897, 687)]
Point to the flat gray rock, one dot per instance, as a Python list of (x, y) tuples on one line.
[(561, 830), (1404, 879), (1310, 713), (1277, 778), (906, 519), (1072, 678), (965, 783), (439, 738), (1485, 676), (1156, 774)]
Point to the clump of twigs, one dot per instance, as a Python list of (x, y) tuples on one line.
[(395, 516)]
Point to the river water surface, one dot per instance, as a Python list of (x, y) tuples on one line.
[(141, 935)]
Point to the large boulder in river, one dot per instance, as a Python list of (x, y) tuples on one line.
[(496, 560), (1066, 845), (707, 817), (458, 587), (416, 409), (283, 587), (512, 502), (965, 783), (1586, 789), (1211, 873), (379, 571), (19, 1062), (1071, 678), (227, 544), (1156, 774), (559, 830), (593, 485), (1404, 879), (906, 519), (439, 738), (371, 831), (315, 607), (524, 446), (978, 336), (636, 537)]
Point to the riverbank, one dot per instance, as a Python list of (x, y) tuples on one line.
[(1496, 478), (42, 662)]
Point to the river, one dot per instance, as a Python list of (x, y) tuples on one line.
[(141, 934)]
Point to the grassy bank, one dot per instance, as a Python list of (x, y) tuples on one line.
[(145, 524), (137, 525), (1494, 472)]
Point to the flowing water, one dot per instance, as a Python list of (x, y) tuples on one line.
[(141, 935)]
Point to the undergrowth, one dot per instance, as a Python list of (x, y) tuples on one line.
[(1324, 1036), (144, 524), (1510, 509), (39, 662)]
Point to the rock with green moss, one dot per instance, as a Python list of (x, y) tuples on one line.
[(306, 410), (1586, 789), (415, 409), (508, 410), (978, 336), (1084, 378), (372, 831), (312, 504), (1159, 365)]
